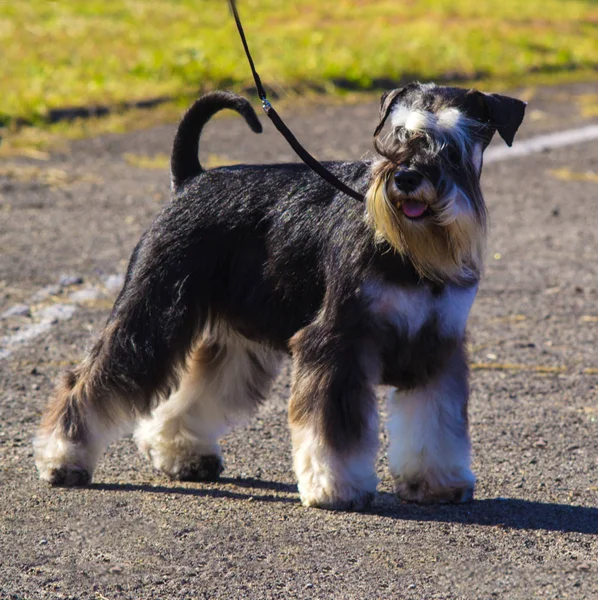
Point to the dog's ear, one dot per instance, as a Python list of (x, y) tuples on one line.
[(506, 115), (386, 103)]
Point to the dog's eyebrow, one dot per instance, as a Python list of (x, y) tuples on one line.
[(415, 119), (447, 125)]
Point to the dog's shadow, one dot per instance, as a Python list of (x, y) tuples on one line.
[(214, 490), (511, 513)]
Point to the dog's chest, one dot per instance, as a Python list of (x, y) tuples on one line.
[(418, 328), (411, 309)]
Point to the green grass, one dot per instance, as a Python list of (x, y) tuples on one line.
[(77, 53)]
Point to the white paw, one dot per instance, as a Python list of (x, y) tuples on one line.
[(436, 488), (328, 480), (341, 498), (182, 457), (62, 462)]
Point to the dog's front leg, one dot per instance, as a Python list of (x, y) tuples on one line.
[(333, 419), (429, 451)]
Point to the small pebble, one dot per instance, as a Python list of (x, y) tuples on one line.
[(84, 295), (411, 586), (114, 282), (67, 280), (116, 569)]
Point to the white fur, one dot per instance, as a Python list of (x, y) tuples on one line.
[(208, 402), (448, 120), (477, 157), (453, 307), (455, 203), (409, 309), (429, 444), (328, 480), (447, 123), (406, 309), (55, 451)]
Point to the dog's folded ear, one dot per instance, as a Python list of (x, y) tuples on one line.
[(386, 103), (506, 115)]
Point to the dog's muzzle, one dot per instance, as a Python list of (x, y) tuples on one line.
[(407, 182)]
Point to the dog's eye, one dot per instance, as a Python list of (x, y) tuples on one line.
[(402, 133)]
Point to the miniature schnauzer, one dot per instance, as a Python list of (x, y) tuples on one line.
[(250, 262)]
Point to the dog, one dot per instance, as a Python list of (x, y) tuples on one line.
[(250, 263)]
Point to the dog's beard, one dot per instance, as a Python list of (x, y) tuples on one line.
[(446, 243)]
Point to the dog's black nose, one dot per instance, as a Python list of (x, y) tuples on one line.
[(408, 180)]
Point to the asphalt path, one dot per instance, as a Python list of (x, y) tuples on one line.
[(67, 227)]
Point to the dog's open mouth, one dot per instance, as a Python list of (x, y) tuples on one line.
[(413, 209)]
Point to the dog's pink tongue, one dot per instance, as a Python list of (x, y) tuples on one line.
[(413, 208)]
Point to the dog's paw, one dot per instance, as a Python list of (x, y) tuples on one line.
[(61, 462), (67, 477), (430, 491), (350, 499), (200, 468)]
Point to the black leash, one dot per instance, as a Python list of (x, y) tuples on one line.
[(303, 154)]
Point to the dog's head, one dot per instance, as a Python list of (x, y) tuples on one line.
[(425, 198)]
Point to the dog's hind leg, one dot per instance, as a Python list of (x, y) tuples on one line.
[(138, 357), (83, 416), (333, 417), (93, 404), (429, 450), (227, 376)]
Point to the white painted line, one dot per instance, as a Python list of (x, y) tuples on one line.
[(39, 296), (85, 295), (540, 143), (48, 316)]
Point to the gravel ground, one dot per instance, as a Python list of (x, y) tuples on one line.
[(68, 224)]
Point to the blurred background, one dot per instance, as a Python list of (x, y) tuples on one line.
[(111, 56)]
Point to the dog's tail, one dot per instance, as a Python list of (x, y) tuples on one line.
[(184, 162)]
